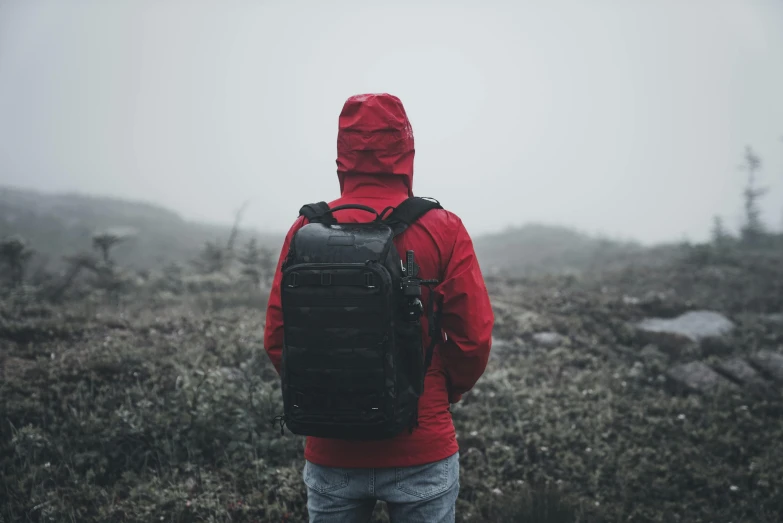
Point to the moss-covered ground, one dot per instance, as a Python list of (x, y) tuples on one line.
[(159, 407)]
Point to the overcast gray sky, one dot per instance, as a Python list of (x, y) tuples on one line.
[(622, 117)]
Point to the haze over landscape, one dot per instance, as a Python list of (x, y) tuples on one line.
[(625, 119), (598, 153)]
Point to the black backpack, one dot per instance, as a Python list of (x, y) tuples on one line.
[(353, 364)]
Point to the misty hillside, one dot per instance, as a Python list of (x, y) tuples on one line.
[(536, 248), (56, 225), (62, 224)]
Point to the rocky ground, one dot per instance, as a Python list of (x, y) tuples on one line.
[(649, 395)]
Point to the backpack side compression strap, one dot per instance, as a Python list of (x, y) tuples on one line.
[(400, 219), (316, 212), (409, 211)]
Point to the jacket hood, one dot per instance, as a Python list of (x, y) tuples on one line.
[(375, 138)]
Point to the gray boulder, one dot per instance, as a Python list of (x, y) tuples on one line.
[(651, 354), (549, 339), (698, 376), (741, 371), (691, 327)]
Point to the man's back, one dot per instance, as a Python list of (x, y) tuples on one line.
[(375, 159)]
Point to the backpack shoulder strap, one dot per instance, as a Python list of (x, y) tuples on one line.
[(409, 211), (316, 212)]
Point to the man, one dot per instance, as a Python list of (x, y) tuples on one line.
[(416, 472)]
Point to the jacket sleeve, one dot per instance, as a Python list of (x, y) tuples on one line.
[(467, 317), (273, 327)]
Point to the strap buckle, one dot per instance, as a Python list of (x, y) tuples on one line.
[(326, 278)]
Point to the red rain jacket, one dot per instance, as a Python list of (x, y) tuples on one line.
[(375, 168)]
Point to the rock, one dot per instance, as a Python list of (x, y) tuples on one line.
[(694, 325), (716, 347), (652, 354), (698, 376), (670, 343), (660, 304), (741, 371), (549, 339), (691, 327), (771, 363)]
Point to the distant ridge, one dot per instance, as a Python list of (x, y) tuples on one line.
[(538, 248), (58, 224)]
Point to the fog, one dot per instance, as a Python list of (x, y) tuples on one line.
[(622, 118)]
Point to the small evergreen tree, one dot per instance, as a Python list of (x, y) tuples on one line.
[(251, 259), (753, 229), (720, 235), (211, 259), (259, 263), (104, 242), (14, 255)]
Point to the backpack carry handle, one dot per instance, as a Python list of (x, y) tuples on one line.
[(355, 206)]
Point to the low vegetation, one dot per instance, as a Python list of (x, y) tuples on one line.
[(140, 394), (153, 400)]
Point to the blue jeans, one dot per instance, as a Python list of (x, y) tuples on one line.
[(423, 493)]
